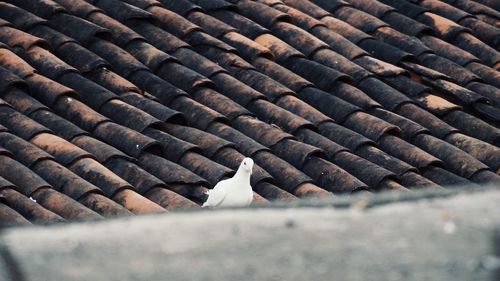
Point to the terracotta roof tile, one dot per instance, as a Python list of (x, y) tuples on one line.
[(144, 105)]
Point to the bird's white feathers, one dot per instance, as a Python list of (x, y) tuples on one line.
[(235, 191)]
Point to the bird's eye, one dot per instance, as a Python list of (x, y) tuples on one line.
[(244, 163)]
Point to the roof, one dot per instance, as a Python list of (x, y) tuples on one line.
[(122, 107)]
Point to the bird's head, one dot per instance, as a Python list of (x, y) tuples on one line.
[(247, 165)]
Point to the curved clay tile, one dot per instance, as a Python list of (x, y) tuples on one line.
[(262, 132), (25, 180), (402, 41), (299, 38), (299, 18), (286, 175), (129, 116), (9, 217), (183, 77), (490, 92), (122, 62), (156, 86), (370, 126), (64, 180), (406, 85), (122, 11), (127, 140), (173, 22), (244, 25), (136, 203), (95, 173), (112, 81), (28, 208), (307, 7), (20, 17), (103, 205), (81, 58), (366, 22), (19, 124), (407, 152), (247, 48), (48, 91), (235, 89), (210, 24), (338, 43), (331, 177), (65, 152), (78, 8), (281, 50), (354, 96), (197, 62), (264, 84), (414, 180), (322, 76), (154, 108), (209, 144), (9, 80), (342, 135), (274, 114), (271, 192), (381, 158), (16, 38), (194, 192), (488, 74), (484, 152), (99, 150), (78, 113), (454, 159), (15, 64), (407, 25), (169, 172), (346, 30), (48, 64), (246, 145), (479, 8), (302, 109), (157, 36), (309, 190), (206, 168), (295, 152), (80, 29), (310, 137), (197, 114), (486, 177), (368, 172), (409, 128), (417, 70), (448, 67), (456, 92), (336, 61), (436, 104), (55, 38), (384, 51), (387, 96), (174, 147), (141, 180), (148, 55), (22, 150), (474, 46), (221, 103), (381, 68), (426, 119), (331, 5), (260, 13), (281, 74), (121, 34), (169, 199), (63, 205), (22, 101)]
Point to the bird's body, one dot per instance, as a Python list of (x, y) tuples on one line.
[(235, 191)]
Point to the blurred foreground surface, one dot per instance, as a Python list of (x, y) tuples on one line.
[(425, 237)]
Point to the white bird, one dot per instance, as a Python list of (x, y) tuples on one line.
[(235, 191)]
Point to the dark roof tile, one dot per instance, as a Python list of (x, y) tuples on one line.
[(213, 5), (78, 8), (302, 109), (414, 180), (406, 43), (15, 64), (484, 32), (359, 19), (389, 97), (370, 126), (437, 127), (281, 74), (46, 63), (103, 205), (377, 156), (448, 67), (247, 49), (78, 28), (408, 152), (406, 85), (79, 57), (322, 76), (136, 203), (78, 113), (150, 56), (338, 43), (43, 8), (154, 108), (281, 50), (141, 180), (121, 10), (157, 36), (490, 92), (127, 140), (329, 147), (22, 101), (263, 83), (129, 116), (25, 180), (112, 81), (65, 152), (262, 132), (55, 38), (408, 128), (348, 31), (197, 114), (9, 217), (22, 150), (99, 150), (260, 13), (453, 158), (407, 25), (295, 152), (246, 145), (473, 126), (121, 34), (206, 168), (479, 7), (299, 18), (299, 38), (169, 172), (474, 46), (28, 208), (172, 22), (331, 6), (198, 63), (384, 51), (379, 67), (342, 135), (210, 24), (169, 199), (484, 152), (237, 91), (19, 17), (19, 124), (159, 88), (245, 26), (174, 147), (488, 74), (48, 91)]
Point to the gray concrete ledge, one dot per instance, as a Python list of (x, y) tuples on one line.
[(429, 236)]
